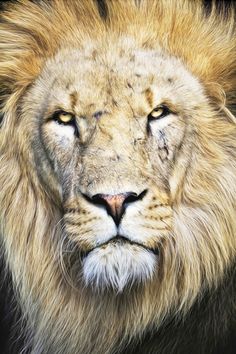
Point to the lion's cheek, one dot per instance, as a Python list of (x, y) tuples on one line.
[(58, 142), (91, 234), (148, 225)]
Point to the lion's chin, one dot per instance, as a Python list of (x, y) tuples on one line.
[(117, 266)]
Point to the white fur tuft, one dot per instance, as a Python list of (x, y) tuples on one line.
[(118, 266)]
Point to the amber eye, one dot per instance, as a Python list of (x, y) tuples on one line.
[(158, 112), (63, 117)]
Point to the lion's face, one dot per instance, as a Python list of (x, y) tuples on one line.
[(115, 132)]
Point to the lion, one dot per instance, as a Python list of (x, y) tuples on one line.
[(118, 177)]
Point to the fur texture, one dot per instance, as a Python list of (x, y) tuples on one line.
[(83, 283)]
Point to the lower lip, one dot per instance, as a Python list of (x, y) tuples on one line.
[(121, 240)]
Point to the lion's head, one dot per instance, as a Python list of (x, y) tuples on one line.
[(117, 165)]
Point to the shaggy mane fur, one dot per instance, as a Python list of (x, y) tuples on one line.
[(60, 318)]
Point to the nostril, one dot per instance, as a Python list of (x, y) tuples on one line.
[(133, 197), (98, 199)]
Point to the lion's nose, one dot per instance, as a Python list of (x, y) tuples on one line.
[(116, 203)]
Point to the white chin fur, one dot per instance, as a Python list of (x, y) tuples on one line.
[(118, 265)]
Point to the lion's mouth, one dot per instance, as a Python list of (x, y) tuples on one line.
[(120, 240)]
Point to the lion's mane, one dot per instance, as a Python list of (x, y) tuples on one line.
[(62, 319)]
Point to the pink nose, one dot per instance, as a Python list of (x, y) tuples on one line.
[(115, 204)]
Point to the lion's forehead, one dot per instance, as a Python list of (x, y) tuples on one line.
[(123, 76)]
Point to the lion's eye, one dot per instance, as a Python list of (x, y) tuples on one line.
[(158, 112), (63, 117)]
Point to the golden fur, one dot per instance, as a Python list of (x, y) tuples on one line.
[(196, 189)]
